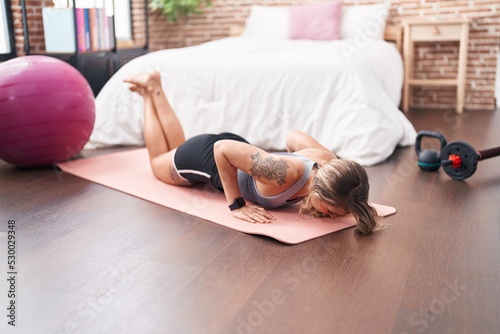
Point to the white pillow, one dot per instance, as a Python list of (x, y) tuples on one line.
[(363, 21), (268, 22)]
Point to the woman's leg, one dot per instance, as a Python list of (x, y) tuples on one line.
[(162, 130)]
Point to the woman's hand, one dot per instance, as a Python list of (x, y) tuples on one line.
[(253, 214)]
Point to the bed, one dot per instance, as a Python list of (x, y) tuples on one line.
[(343, 92)]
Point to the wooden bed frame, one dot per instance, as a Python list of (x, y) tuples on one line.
[(394, 33)]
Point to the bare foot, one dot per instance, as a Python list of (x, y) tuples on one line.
[(136, 88), (148, 82)]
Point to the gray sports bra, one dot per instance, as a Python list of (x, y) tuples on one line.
[(249, 191)]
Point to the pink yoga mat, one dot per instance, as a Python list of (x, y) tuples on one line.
[(129, 172)]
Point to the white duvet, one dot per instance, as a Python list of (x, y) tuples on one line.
[(344, 96)]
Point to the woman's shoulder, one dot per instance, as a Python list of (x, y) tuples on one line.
[(319, 156), (297, 156)]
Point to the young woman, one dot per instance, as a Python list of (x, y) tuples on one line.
[(308, 172)]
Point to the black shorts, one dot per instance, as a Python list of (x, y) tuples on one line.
[(194, 159)]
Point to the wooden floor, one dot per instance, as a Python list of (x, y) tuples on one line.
[(93, 260)]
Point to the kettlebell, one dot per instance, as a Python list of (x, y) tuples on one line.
[(429, 160)]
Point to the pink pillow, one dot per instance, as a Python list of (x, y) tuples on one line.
[(321, 21)]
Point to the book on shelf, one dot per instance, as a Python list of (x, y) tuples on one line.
[(81, 29)]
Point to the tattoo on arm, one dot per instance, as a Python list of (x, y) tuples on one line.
[(269, 168)]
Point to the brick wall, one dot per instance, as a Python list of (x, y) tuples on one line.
[(138, 13), (18, 26), (432, 60)]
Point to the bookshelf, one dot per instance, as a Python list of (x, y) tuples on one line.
[(82, 33)]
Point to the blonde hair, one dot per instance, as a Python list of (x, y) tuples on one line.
[(344, 183)]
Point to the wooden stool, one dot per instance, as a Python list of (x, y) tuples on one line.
[(435, 31)]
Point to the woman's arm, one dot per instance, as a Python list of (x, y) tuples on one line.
[(303, 144), (274, 174)]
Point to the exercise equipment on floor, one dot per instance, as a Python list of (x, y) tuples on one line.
[(47, 111), (459, 159), (429, 160)]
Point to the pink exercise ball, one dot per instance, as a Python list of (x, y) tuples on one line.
[(47, 111)]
